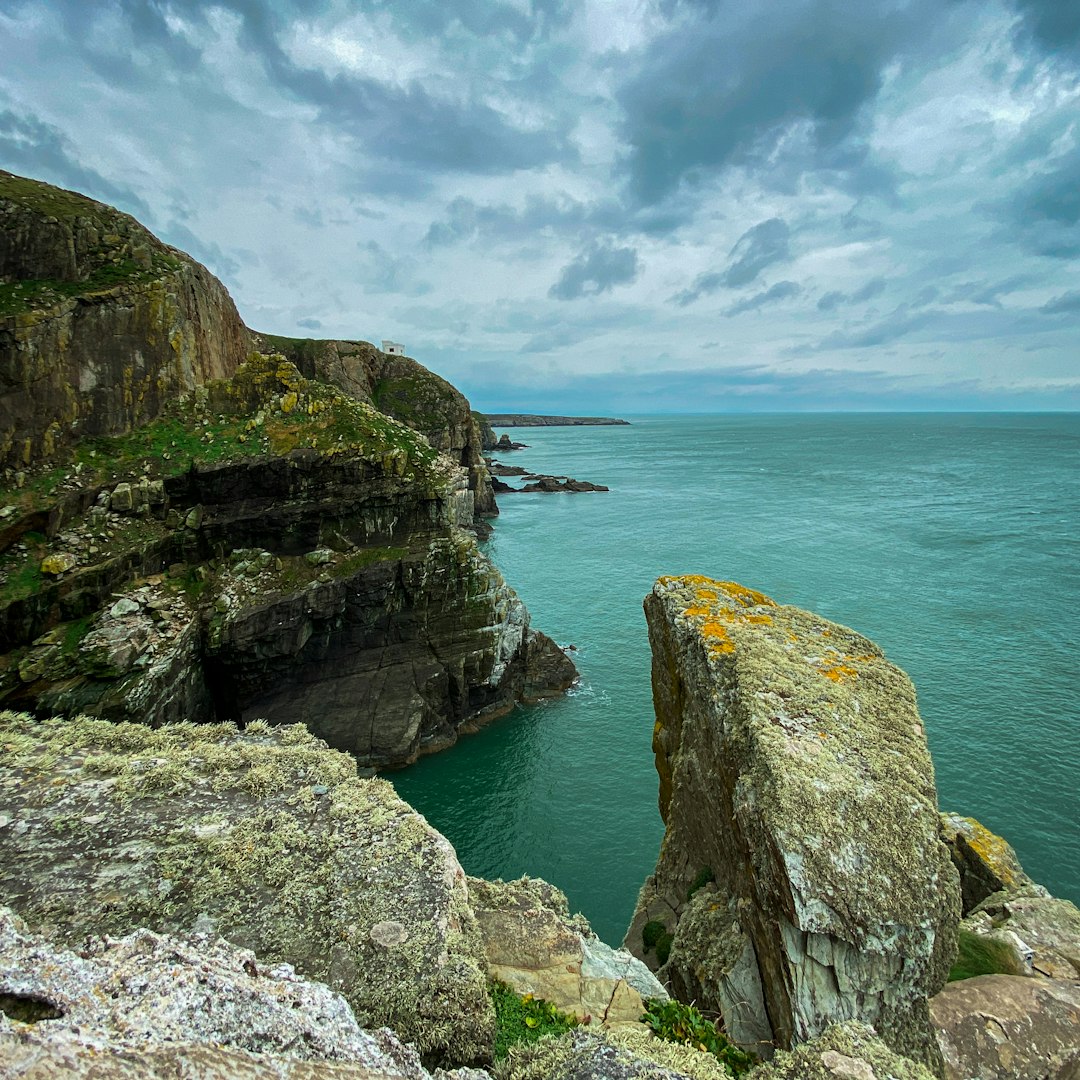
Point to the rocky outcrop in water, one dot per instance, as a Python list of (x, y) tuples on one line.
[(101, 325), (802, 880)]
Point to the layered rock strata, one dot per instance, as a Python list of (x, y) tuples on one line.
[(101, 324), (802, 880)]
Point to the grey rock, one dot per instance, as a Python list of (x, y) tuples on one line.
[(848, 1051), (198, 825)]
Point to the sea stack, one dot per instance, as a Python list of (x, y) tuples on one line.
[(802, 880)]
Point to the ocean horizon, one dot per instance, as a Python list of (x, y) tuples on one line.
[(950, 539)]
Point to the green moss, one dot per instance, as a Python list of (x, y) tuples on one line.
[(663, 947), (524, 1019), (651, 933), (678, 1023), (980, 955), (702, 878), (52, 201)]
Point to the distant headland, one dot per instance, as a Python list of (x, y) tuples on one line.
[(528, 420)]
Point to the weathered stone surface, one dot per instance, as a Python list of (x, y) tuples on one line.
[(537, 947), (145, 991), (848, 1051), (265, 838), (101, 324), (1007, 1027), (986, 863), (1048, 928), (793, 768), (622, 1055)]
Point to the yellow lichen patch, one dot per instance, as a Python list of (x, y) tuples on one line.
[(707, 594), (743, 595), (759, 620), (697, 609)]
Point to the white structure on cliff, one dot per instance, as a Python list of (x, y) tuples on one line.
[(394, 348)]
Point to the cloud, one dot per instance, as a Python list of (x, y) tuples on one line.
[(1059, 305), (728, 82), (782, 290), (833, 299), (30, 145), (596, 270), (1045, 210), (1052, 25), (759, 247), (309, 324)]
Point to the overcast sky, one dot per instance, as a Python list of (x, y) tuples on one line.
[(600, 205)]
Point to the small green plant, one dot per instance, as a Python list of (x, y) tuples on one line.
[(524, 1019), (704, 876), (979, 955), (651, 933), (678, 1023), (663, 947)]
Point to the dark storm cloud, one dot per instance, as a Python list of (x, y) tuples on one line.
[(759, 247), (782, 290), (29, 145), (404, 124), (596, 270), (1052, 25), (833, 299), (1067, 302), (1045, 210), (730, 80)]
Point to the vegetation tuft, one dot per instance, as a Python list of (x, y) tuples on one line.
[(703, 877), (979, 955), (678, 1023), (524, 1019)]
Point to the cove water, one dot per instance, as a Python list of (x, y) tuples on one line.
[(953, 541)]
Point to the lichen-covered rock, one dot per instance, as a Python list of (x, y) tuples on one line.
[(144, 991), (537, 947), (101, 325), (1044, 929), (986, 862), (1006, 1027), (848, 1051), (622, 1055), (794, 771), (402, 388), (265, 838)]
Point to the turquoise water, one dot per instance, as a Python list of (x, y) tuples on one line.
[(953, 541)]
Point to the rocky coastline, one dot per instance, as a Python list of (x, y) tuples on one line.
[(239, 576)]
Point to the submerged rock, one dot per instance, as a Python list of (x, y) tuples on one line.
[(265, 838), (801, 881)]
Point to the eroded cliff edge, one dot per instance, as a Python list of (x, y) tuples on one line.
[(802, 878), (194, 526)]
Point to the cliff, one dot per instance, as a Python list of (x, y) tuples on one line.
[(101, 324), (529, 420), (226, 537), (802, 880)]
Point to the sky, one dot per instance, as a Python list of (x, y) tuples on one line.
[(600, 206)]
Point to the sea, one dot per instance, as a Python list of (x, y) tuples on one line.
[(951, 540)]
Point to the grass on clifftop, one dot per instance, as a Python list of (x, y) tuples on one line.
[(979, 955), (524, 1019)]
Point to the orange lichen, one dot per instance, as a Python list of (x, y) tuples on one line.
[(697, 609)]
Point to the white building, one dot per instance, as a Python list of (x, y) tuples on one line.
[(394, 348)]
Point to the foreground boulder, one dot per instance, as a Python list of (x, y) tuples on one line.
[(534, 945), (801, 881), (153, 1005), (1007, 1027), (265, 838)]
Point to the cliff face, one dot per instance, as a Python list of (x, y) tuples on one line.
[(801, 875), (100, 323), (198, 531), (403, 389)]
